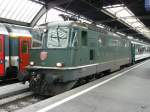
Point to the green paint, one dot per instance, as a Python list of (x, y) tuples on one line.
[(81, 46)]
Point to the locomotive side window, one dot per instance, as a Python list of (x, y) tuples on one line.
[(100, 41), (74, 40), (36, 43), (104, 42), (126, 44), (25, 47), (0, 45), (91, 54), (84, 38), (113, 43)]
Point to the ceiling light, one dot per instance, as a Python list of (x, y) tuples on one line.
[(121, 13)]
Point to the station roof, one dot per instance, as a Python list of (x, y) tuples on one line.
[(22, 11), (124, 16), (117, 14)]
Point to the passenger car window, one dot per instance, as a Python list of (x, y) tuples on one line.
[(25, 45), (84, 38)]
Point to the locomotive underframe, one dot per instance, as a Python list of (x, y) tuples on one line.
[(54, 80)]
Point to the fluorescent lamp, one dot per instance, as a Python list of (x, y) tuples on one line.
[(124, 15)]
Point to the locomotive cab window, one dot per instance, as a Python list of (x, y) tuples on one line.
[(0, 45), (74, 39), (36, 44), (37, 39), (58, 37), (84, 38), (25, 45)]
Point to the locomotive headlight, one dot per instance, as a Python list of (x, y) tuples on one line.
[(32, 63), (59, 64)]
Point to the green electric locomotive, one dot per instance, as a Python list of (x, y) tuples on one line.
[(69, 51)]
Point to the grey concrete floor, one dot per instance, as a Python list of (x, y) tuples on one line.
[(128, 93)]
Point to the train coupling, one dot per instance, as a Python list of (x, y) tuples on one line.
[(23, 76)]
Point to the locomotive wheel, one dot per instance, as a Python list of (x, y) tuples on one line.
[(42, 86), (46, 89)]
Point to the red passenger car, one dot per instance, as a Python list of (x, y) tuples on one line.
[(15, 43)]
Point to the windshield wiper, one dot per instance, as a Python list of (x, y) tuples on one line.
[(58, 36)]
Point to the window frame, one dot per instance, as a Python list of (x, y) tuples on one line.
[(85, 38), (1, 45)]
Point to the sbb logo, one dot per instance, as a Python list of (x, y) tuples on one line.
[(43, 55)]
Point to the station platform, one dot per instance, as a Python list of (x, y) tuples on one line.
[(125, 91)]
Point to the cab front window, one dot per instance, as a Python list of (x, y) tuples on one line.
[(57, 37), (37, 39), (73, 39)]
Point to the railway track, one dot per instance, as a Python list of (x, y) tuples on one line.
[(16, 102), (16, 96)]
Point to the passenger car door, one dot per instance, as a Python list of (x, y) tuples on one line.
[(24, 46), (2, 65)]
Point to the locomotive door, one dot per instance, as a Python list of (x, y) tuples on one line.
[(2, 66), (24, 46), (133, 53)]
